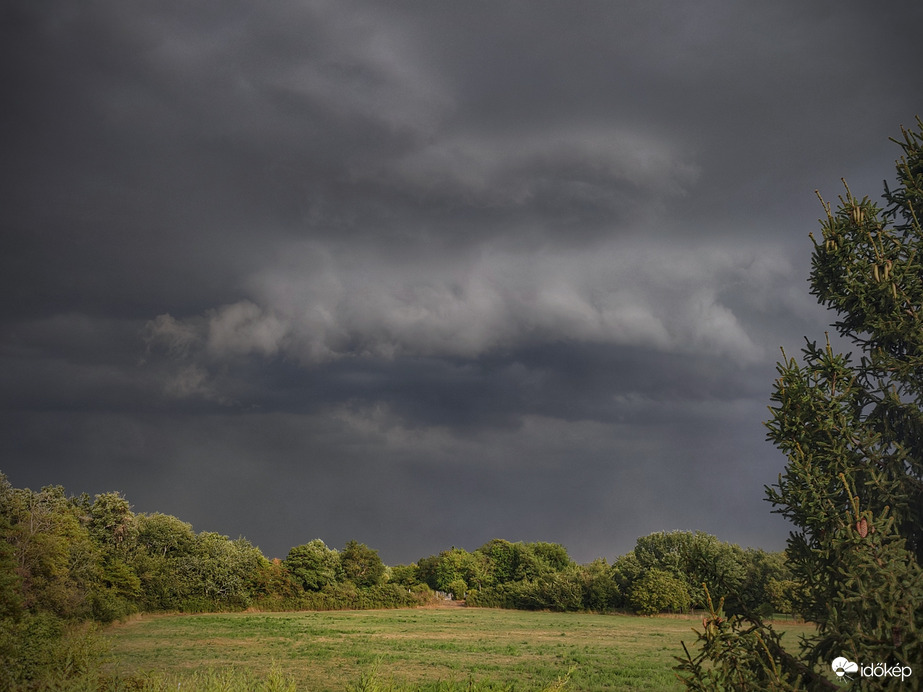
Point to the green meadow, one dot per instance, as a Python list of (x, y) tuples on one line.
[(418, 649)]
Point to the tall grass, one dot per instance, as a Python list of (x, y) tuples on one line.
[(211, 680)]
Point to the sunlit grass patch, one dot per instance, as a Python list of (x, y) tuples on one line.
[(425, 649)]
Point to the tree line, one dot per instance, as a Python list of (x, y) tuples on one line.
[(75, 559), (78, 558), (665, 572)]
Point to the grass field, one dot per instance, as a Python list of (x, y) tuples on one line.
[(422, 647)]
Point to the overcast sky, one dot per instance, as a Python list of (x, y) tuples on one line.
[(425, 274)]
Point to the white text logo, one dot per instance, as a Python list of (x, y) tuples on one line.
[(842, 666)]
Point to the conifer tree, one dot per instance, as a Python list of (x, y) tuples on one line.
[(851, 426)]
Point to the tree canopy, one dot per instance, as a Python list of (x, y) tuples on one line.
[(851, 426)]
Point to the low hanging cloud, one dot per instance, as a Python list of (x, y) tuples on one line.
[(243, 328), (665, 299)]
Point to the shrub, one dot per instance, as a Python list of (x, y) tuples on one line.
[(658, 591), (458, 588), (44, 652)]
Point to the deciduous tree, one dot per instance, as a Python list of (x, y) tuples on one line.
[(361, 564), (313, 565)]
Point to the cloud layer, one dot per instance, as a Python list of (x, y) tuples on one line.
[(323, 307), (424, 275)]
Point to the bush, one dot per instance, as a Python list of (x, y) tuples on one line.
[(658, 591), (560, 592), (600, 589), (44, 652), (499, 596), (458, 588)]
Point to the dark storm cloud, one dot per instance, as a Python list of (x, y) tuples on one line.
[(424, 274)]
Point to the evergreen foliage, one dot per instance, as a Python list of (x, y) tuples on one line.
[(851, 426)]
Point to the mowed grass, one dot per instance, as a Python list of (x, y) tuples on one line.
[(420, 648)]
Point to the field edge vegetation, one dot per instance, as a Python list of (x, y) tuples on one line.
[(68, 560)]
